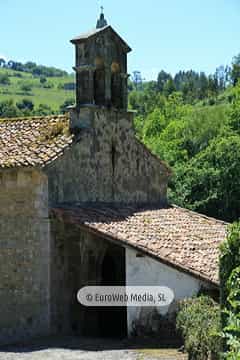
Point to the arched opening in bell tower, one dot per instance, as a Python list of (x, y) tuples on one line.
[(116, 86)]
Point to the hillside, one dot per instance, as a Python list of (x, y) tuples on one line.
[(40, 90)]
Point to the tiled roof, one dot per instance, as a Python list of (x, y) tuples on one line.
[(178, 237), (33, 141)]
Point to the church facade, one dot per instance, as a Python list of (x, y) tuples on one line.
[(83, 202)]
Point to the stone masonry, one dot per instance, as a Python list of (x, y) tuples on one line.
[(24, 255)]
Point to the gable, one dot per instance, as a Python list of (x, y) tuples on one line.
[(100, 32), (107, 163)]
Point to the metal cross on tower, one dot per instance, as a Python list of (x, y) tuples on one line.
[(101, 21)]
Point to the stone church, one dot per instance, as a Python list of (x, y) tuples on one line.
[(83, 202)]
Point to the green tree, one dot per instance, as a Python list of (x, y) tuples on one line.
[(234, 111), (163, 77), (26, 86), (25, 105), (8, 109), (4, 79), (210, 182), (43, 110), (235, 75), (169, 87), (154, 124), (42, 80)]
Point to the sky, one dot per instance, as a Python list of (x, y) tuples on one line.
[(164, 34)]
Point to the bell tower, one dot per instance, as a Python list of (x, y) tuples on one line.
[(101, 68)]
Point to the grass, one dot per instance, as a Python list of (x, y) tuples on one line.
[(53, 97)]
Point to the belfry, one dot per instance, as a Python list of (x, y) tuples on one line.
[(101, 68)]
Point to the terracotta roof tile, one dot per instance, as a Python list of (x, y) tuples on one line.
[(33, 141), (176, 236)]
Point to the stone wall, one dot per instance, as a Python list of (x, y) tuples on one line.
[(24, 255), (66, 275), (107, 164), (157, 321)]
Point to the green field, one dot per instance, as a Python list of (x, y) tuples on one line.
[(39, 93)]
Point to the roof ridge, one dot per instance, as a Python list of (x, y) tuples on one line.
[(195, 213)]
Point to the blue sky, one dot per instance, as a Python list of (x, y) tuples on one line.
[(164, 34)]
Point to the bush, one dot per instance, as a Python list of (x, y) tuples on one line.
[(232, 328), (8, 109), (26, 87), (230, 292), (229, 260), (199, 323), (4, 79), (43, 110), (25, 105), (42, 80)]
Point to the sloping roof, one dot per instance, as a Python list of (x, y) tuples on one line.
[(33, 141), (87, 35), (175, 236), (94, 32)]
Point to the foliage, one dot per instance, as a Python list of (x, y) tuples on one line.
[(230, 291), (42, 80), (64, 107), (8, 109), (39, 90), (43, 110), (193, 85), (162, 79), (210, 182), (234, 111), (235, 74), (26, 86), (25, 105), (23, 108), (33, 68), (4, 79), (229, 261), (201, 143), (232, 337), (198, 321)]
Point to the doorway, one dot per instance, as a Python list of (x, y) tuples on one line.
[(113, 320)]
